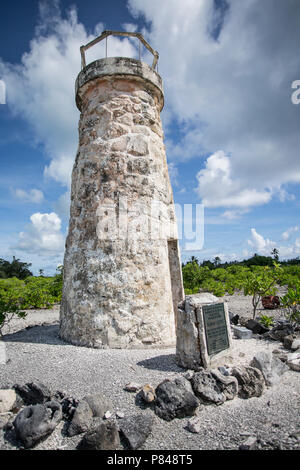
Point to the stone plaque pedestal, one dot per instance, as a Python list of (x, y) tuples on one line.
[(203, 334)]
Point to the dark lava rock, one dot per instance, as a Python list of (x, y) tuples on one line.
[(251, 381), (90, 407), (135, 429), (207, 388), (98, 404), (256, 327), (288, 341), (103, 436), (175, 399), (82, 419), (33, 393), (68, 404), (280, 331), (234, 319), (35, 422), (227, 383)]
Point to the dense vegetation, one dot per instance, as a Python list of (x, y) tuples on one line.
[(257, 276), (220, 278), (19, 293)]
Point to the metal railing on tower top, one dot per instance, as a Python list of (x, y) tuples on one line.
[(105, 35)]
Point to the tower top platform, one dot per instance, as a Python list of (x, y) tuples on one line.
[(112, 68)]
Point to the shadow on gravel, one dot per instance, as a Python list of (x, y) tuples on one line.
[(166, 362), (44, 334)]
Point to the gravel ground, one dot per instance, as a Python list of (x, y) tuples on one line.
[(36, 353)]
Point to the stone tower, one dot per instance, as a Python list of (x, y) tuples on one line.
[(122, 271)]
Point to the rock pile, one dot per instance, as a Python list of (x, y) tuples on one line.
[(282, 331), (31, 412), (184, 396)]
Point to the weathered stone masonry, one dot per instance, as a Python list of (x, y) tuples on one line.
[(120, 286)]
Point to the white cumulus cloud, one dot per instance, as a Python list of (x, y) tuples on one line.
[(41, 88), (260, 244), (227, 69), (43, 235), (218, 187), (264, 246), (33, 195), (286, 235)]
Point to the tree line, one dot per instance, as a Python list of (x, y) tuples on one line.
[(255, 260)]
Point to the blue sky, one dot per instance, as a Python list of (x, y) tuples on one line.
[(231, 130)]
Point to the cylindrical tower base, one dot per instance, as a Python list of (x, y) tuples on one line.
[(118, 266)]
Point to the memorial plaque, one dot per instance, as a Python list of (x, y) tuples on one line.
[(203, 332), (216, 332)]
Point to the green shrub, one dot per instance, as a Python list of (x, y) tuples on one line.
[(37, 293), (215, 287), (33, 292), (8, 309), (291, 303), (191, 291), (260, 282), (267, 321)]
